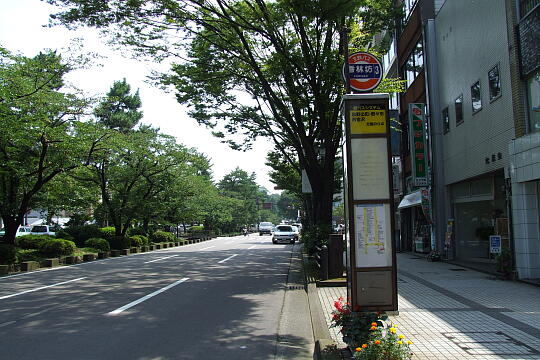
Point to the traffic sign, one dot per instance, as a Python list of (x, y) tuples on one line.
[(365, 71), (495, 244)]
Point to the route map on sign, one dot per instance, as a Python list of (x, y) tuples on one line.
[(365, 71), (370, 223)]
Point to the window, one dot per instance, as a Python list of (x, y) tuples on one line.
[(527, 5), (533, 101), (458, 104), (494, 83), (446, 120), (476, 99), (415, 63)]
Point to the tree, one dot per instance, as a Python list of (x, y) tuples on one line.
[(40, 136), (120, 109), (285, 54)]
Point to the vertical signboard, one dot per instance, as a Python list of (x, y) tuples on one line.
[(372, 280), (417, 133)]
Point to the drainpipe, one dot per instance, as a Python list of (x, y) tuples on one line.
[(438, 193)]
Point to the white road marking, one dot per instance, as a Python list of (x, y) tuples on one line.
[(163, 258), (208, 247), (251, 247), (41, 288), (230, 257), (144, 298)]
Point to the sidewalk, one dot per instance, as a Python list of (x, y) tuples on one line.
[(450, 312)]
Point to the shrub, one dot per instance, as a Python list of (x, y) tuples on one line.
[(137, 231), (57, 247), (355, 324), (7, 254), (196, 228), (28, 255), (315, 236), (107, 232), (98, 244), (80, 233), (31, 241), (162, 236), (384, 344), (138, 240), (119, 242)]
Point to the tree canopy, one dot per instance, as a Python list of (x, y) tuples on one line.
[(284, 54)]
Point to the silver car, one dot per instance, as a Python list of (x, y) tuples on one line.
[(284, 233)]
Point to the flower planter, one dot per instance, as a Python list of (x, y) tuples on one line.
[(124, 252)]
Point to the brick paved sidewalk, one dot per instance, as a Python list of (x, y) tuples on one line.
[(450, 312)]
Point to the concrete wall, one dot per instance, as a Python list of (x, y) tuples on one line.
[(471, 39), (525, 172)]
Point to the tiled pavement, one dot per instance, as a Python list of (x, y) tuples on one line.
[(450, 312)]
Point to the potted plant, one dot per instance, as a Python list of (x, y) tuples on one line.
[(504, 262)]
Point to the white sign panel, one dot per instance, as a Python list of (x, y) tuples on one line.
[(495, 244), (370, 168), (373, 235)]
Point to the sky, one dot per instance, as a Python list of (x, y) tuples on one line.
[(22, 31)]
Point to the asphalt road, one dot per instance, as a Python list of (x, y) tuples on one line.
[(227, 298)]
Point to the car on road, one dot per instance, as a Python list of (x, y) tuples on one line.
[(266, 228), (284, 233)]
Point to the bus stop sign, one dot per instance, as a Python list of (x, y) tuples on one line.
[(365, 71)]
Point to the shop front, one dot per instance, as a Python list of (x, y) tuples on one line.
[(415, 209), (480, 211)]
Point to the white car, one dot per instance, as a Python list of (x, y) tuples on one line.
[(42, 230), (284, 233), (21, 231)]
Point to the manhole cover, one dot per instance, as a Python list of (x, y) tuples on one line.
[(489, 343), (458, 269)]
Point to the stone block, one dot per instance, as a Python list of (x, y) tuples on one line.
[(4, 269), (52, 262), (124, 252), (71, 260), (89, 257), (29, 265), (103, 255)]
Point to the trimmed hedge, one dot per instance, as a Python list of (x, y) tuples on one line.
[(79, 234), (8, 254), (119, 242), (57, 247), (138, 240), (162, 236), (31, 241), (98, 243), (107, 232)]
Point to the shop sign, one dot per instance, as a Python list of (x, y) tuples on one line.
[(417, 130), (495, 244), (365, 71), (368, 119)]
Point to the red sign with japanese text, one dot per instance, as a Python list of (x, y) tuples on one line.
[(365, 71)]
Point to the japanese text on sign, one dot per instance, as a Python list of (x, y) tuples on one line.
[(368, 119), (418, 144)]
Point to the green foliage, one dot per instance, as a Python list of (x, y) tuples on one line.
[(120, 109), (196, 228), (137, 231), (56, 247), (107, 232), (384, 344), (162, 236), (139, 240), (7, 254), (32, 241), (98, 243), (79, 234), (315, 236), (40, 136), (355, 324), (119, 242), (28, 255)]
